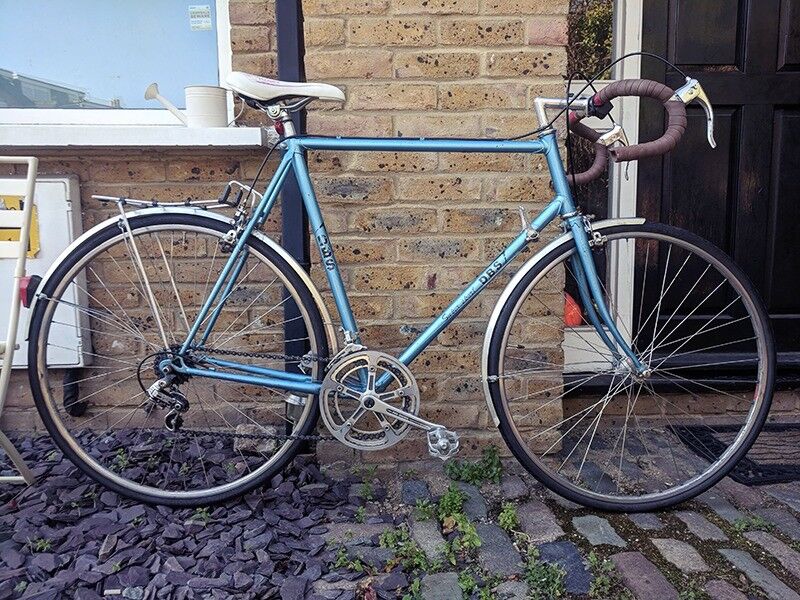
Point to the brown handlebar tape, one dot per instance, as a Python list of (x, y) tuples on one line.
[(676, 116), (676, 126), (600, 154)]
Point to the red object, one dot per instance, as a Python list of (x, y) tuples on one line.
[(573, 315), (279, 127), (597, 100), (24, 282)]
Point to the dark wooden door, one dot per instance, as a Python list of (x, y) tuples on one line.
[(745, 195)]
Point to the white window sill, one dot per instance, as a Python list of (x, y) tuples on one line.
[(138, 136)]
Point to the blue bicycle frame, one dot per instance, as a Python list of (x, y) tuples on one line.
[(561, 205)]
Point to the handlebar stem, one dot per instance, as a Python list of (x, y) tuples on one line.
[(542, 105)]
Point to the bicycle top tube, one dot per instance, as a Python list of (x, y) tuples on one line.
[(376, 144)]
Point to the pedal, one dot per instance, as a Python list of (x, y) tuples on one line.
[(442, 443)]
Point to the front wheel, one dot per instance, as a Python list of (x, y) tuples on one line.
[(590, 427), (97, 307)]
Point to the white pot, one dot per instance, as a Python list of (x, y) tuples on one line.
[(206, 106)]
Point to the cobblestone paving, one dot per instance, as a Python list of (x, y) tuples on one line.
[(339, 533)]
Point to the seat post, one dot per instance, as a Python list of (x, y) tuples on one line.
[(280, 115)]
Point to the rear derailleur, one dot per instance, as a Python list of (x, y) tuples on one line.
[(164, 394)]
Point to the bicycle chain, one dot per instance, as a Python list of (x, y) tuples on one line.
[(267, 356), (263, 355), (260, 436)]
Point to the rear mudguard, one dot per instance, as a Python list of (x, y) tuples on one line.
[(293, 264)]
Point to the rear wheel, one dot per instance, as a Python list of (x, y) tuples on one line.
[(589, 427), (231, 437)]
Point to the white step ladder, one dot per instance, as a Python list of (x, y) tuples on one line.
[(17, 249)]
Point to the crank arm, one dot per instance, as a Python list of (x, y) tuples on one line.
[(442, 443), (384, 408)]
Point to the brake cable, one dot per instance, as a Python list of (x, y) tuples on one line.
[(589, 83)]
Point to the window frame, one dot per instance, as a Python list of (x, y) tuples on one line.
[(101, 117)]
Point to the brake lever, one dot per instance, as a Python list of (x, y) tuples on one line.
[(614, 135), (692, 90)]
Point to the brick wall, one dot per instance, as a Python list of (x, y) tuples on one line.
[(169, 175), (411, 230)]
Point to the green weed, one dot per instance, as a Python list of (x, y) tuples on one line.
[(486, 468), (361, 514), (467, 583), (40, 545), (752, 523), (121, 460), (545, 580), (414, 590), (465, 542), (451, 502), (343, 561), (424, 510), (606, 583), (508, 519), (691, 591), (406, 551), (203, 515), (366, 491)]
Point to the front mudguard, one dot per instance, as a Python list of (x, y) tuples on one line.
[(531, 263)]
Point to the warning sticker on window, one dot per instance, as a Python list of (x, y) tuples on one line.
[(200, 17)]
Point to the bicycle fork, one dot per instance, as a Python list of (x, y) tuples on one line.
[(585, 272), (591, 294)]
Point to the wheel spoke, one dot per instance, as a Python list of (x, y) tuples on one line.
[(605, 432), (131, 289)]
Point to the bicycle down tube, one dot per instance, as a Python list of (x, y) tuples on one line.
[(294, 158)]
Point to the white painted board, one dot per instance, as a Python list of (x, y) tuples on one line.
[(57, 201)]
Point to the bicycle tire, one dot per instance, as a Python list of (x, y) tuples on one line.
[(513, 438), (51, 419)]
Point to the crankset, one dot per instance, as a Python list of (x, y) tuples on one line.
[(370, 400)]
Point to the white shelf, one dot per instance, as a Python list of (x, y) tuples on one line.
[(138, 136)]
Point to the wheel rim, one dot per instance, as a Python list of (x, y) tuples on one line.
[(226, 463), (567, 447)]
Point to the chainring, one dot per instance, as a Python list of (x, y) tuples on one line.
[(345, 394)]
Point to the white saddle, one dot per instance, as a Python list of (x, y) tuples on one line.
[(271, 90)]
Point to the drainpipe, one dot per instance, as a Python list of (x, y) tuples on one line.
[(295, 237)]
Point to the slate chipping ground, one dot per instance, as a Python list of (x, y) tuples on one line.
[(409, 532)]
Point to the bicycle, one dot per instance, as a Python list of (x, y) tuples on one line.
[(188, 395)]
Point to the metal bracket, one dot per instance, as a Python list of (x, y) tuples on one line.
[(532, 234), (611, 137), (230, 237), (349, 337), (595, 237)]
